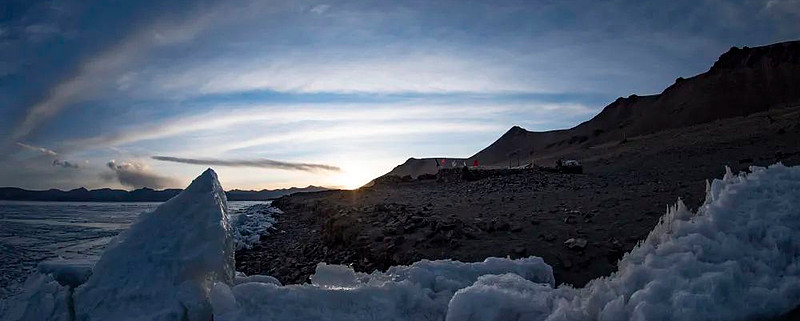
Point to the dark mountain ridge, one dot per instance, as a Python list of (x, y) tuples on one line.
[(743, 81), (137, 195)]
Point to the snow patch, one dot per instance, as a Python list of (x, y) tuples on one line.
[(419, 291), (251, 223)]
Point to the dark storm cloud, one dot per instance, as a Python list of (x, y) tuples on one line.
[(259, 163), (138, 175), (65, 164)]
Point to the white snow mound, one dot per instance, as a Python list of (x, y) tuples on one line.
[(42, 298), (164, 267), (420, 291)]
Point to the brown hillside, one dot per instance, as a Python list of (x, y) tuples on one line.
[(742, 82)]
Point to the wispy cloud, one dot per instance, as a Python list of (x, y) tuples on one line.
[(346, 120), (389, 70), (364, 130), (787, 12), (319, 9), (40, 32), (92, 74), (259, 163), (272, 115), (789, 7), (47, 153), (42, 150), (138, 175)]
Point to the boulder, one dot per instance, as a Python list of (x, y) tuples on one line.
[(575, 243)]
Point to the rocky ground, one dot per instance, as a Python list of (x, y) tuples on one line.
[(581, 224)]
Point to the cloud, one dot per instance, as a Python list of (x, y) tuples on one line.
[(48, 152), (259, 163), (352, 131), (463, 114), (42, 150), (319, 9), (91, 75), (138, 175), (40, 32), (787, 6), (342, 70), (787, 12), (270, 115), (540, 54), (65, 164)]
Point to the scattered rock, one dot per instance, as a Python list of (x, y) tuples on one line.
[(576, 243)]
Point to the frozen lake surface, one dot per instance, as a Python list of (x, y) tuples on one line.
[(34, 231)]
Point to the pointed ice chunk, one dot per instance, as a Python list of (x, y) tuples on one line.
[(165, 265)]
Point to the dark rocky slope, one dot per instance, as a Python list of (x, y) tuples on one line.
[(742, 82)]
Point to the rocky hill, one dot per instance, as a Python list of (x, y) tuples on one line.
[(742, 82)]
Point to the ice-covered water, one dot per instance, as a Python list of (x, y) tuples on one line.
[(34, 231)]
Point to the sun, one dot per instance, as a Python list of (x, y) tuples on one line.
[(352, 179)]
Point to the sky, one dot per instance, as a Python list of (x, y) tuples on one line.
[(274, 94)]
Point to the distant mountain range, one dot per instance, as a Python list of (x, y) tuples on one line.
[(743, 81), (138, 195)]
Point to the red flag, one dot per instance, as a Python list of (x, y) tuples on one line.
[(475, 163)]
